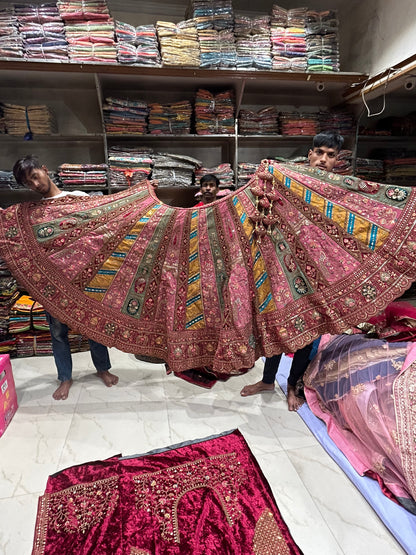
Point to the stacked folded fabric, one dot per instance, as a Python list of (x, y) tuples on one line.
[(401, 171), (179, 44), (212, 14), (124, 116), (170, 119), (43, 33), (246, 171), (174, 170), (296, 123), (224, 172), (137, 45), (322, 40), (253, 42), (340, 121), (262, 122), (86, 176), (9, 293), (214, 113), (370, 169), (89, 30), (288, 37), (7, 180), (218, 48), (11, 42), (22, 313), (129, 166), (343, 164), (29, 120)]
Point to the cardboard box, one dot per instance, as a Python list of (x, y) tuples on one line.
[(8, 397)]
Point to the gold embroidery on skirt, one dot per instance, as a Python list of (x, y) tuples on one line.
[(137, 551), (268, 539)]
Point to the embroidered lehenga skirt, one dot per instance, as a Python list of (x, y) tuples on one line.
[(295, 253)]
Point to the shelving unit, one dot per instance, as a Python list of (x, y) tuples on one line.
[(76, 93)]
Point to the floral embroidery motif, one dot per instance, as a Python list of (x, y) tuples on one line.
[(300, 323), (137, 551), (396, 193), (49, 291), (268, 537), (133, 306), (109, 328), (80, 507), (159, 492), (300, 285), (45, 232), (11, 232), (369, 291)]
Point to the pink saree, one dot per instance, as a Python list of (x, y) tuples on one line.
[(296, 253), (364, 390)]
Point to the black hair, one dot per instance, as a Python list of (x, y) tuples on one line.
[(25, 165), (209, 177), (330, 139)]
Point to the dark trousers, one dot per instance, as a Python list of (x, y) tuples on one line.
[(299, 364)]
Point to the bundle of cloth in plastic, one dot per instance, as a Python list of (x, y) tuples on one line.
[(296, 253)]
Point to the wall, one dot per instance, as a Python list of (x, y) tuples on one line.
[(381, 33)]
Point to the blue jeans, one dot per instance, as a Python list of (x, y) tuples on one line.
[(62, 351)]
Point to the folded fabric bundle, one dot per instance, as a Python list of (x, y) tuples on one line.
[(29, 120), (170, 119), (224, 172), (296, 123), (246, 170), (124, 116), (212, 14), (214, 113), (340, 121), (11, 42), (174, 170), (129, 165), (91, 176), (263, 122), (218, 48), (322, 40), (179, 44)]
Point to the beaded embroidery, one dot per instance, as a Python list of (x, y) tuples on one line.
[(268, 537), (159, 492)]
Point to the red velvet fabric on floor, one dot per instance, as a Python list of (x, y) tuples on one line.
[(204, 498)]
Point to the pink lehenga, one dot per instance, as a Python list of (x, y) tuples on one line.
[(296, 253), (365, 391)]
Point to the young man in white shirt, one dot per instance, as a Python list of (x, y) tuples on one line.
[(29, 172)]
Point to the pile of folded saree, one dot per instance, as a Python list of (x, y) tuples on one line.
[(89, 30), (9, 293), (29, 120), (370, 169), (288, 37), (137, 45), (42, 31), (246, 170), (296, 123), (253, 42), (340, 121), (322, 41), (128, 165), (11, 42), (212, 14), (123, 116), (86, 176), (179, 44), (262, 122), (343, 165), (218, 48), (174, 170), (214, 113), (401, 171), (224, 172), (170, 119)]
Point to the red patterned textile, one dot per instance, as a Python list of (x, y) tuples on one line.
[(295, 253), (205, 498)]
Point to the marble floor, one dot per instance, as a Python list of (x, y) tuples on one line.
[(147, 410)]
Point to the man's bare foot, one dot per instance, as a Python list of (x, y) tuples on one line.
[(256, 388), (62, 392), (293, 401), (108, 378)]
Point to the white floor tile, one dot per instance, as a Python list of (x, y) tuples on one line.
[(148, 409)]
